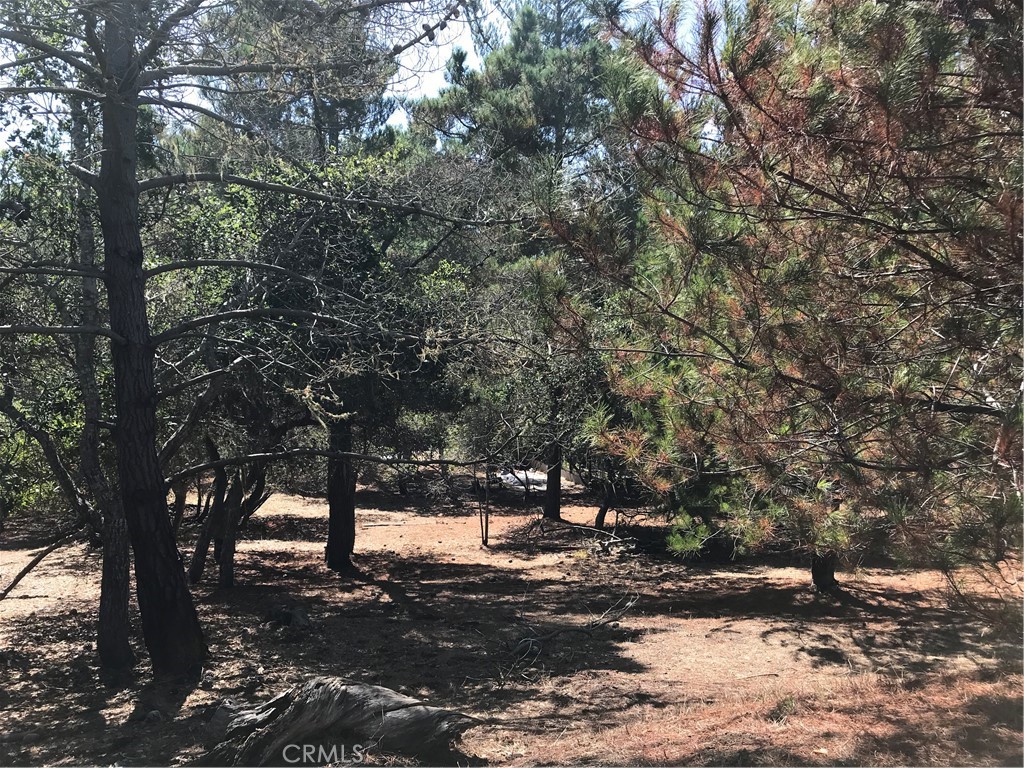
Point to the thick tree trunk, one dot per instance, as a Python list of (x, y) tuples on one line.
[(113, 626), (170, 625), (823, 571), (553, 492), (341, 501)]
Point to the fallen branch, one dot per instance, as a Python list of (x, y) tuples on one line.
[(561, 524), (334, 711), (61, 541), (530, 647)]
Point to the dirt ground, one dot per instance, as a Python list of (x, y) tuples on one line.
[(578, 649)]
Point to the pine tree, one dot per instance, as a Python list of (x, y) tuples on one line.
[(830, 325)]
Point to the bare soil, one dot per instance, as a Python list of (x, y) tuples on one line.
[(579, 648)]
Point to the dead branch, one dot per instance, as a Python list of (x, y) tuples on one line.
[(60, 541), (332, 708), (563, 524)]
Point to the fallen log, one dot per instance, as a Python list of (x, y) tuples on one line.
[(333, 712)]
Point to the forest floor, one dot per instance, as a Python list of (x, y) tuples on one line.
[(586, 651)]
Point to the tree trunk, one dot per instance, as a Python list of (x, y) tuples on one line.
[(609, 498), (341, 501), (114, 626), (606, 504), (256, 493), (180, 499), (823, 571), (207, 503), (214, 517), (170, 625), (232, 513), (553, 492)]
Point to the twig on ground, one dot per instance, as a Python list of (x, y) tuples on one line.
[(534, 644), (563, 524)]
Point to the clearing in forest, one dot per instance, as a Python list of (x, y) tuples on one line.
[(588, 651)]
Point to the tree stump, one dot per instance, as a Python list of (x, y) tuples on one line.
[(332, 711)]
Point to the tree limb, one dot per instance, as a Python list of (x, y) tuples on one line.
[(173, 443), (67, 57), (57, 330), (52, 271), (160, 182), (236, 314), (237, 263), (50, 451), (320, 453), (163, 32)]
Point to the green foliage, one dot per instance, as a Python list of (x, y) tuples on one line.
[(687, 537), (26, 487), (818, 309), (538, 95)]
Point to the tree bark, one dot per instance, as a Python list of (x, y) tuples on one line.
[(341, 500), (256, 493), (609, 498), (366, 715), (823, 571), (200, 499), (113, 629), (553, 491), (170, 625), (113, 626)]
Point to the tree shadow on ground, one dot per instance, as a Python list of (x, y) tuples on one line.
[(54, 690), (487, 610), (455, 630), (987, 732), (746, 756), (474, 618), (481, 637)]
